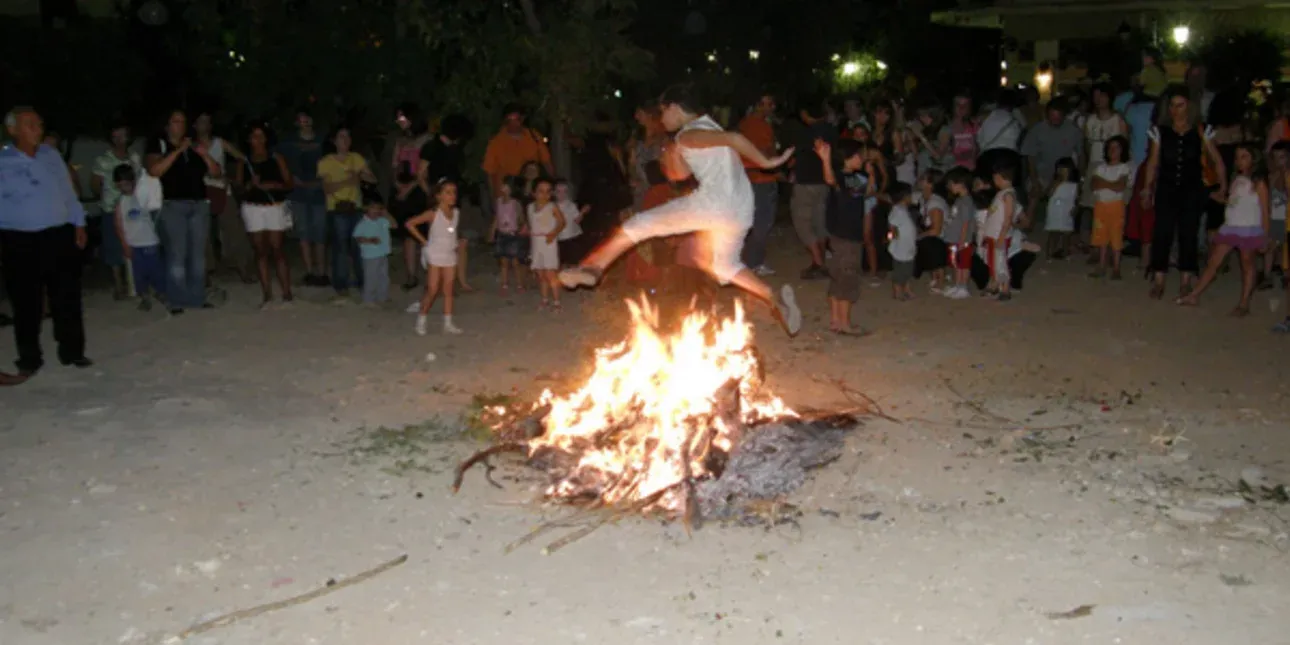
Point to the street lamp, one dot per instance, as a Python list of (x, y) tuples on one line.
[(1182, 33), (753, 54), (850, 69)]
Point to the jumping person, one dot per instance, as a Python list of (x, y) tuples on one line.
[(721, 207)]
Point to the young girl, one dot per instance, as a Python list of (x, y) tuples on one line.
[(903, 242), (506, 234), (1245, 228), (546, 221), (997, 231), (959, 230), (1110, 183), (1063, 196), (438, 253), (569, 254)]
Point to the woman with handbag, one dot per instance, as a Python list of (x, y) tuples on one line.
[(264, 182), (343, 173)]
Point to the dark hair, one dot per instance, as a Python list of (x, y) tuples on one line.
[(1005, 167), (959, 175), (513, 108), (456, 127), (417, 124), (118, 122), (845, 149), (1104, 88), (1257, 169), (513, 182), (543, 179), (270, 140), (1072, 171), (1281, 146), (899, 192), (1007, 99), (684, 96), (1057, 105), (1173, 91), (556, 182), (814, 105), (304, 109), (983, 198), (123, 172), (373, 198), (1120, 140)]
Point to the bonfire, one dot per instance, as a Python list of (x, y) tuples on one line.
[(677, 424)]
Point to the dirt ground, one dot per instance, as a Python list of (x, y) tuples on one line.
[(1065, 470)]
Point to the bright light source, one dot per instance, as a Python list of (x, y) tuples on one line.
[(1003, 64), (753, 54), (1044, 81), (1003, 81), (232, 54), (618, 94), (1182, 33), (881, 65), (837, 57), (712, 57), (850, 69)]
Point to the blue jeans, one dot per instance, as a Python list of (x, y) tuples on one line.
[(765, 203), (185, 225), (344, 251)]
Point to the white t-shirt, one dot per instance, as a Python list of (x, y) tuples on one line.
[(1112, 172), (904, 244), (934, 203), (994, 218), (1061, 208), (571, 227), (136, 223)]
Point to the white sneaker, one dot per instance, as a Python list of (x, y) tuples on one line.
[(449, 328), (958, 293), (414, 307), (421, 326), (790, 314), (764, 270)]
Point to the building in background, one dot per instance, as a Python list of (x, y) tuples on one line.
[(1054, 44)]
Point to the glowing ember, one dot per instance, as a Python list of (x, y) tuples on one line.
[(658, 411)]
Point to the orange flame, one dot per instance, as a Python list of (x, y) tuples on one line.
[(642, 421)]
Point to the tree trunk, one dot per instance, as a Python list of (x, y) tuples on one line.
[(561, 153)]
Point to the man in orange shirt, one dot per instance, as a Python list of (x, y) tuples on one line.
[(757, 129), (512, 147)]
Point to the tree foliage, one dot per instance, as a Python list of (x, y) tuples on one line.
[(1240, 57)]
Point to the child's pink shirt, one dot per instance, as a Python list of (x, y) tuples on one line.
[(508, 216)]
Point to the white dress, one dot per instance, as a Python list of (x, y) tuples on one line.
[(1061, 208), (441, 246), (721, 207), (545, 256)]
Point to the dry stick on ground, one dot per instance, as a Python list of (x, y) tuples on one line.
[(620, 513), (565, 521), (483, 455), (974, 405), (867, 406), (332, 586)]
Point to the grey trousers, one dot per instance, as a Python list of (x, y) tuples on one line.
[(376, 280)]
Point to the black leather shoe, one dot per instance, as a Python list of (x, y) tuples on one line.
[(80, 363)]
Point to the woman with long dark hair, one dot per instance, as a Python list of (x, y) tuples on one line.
[(264, 182), (1175, 184)]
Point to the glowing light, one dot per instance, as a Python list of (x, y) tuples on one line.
[(1043, 81), (1003, 81), (618, 94), (1182, 33), (753, 54), (837, 57), (1003, 64), (712, 57), (850, 69), (881, 65)]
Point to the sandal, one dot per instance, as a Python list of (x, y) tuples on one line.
[(1157, 291)]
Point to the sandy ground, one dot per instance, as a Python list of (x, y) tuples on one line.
[(1086, 452)]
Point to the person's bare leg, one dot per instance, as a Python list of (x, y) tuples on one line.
[(432, 289), (280, 259), (784, 308), (870, 246), (817, 253), (1248, 283), (448, 277), (506, 271), (592, 268), (1216, 258), (462, 250), (260, 241)]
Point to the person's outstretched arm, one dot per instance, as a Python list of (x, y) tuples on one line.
[(735, 141)]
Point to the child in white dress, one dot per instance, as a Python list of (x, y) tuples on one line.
[(546, 221), (438, 253), (569, 253), (1063, 198), (721, 207)]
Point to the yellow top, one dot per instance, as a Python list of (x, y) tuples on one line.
[(335, 169), (1153, 81)]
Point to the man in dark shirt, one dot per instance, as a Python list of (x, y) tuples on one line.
[(302, 151), (441, 159), (185, 214), (847, 175), (810, 192)]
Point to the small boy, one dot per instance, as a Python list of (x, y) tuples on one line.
[(373, 236), (140, 244), (847, 172), (959, 230), (997, 230), (903, 241)]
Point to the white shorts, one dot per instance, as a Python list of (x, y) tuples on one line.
[(440, 255), (724, 230), (544, 256), (264, 217)]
